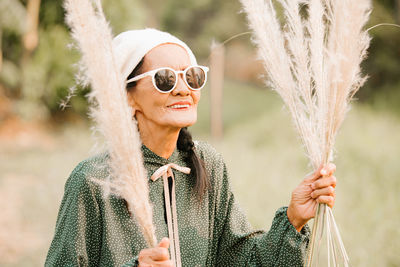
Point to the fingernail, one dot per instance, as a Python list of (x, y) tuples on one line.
[(323, 172), (313, 186)]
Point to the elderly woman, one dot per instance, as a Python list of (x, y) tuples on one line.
[(207, 228)]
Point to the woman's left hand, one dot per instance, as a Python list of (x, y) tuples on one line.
[(319, 187)]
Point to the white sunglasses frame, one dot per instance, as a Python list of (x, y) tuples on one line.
[(176, 72)]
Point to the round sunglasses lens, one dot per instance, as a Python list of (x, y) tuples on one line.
[(195, 77), (165, 80)]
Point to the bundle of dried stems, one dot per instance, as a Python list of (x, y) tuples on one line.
[(111, 112), (313, 62)]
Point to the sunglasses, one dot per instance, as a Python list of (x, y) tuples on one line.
[(165, 79)]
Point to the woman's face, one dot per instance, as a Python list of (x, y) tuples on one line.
[(162, 109)]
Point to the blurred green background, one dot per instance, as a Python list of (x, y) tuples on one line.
[(40, 144)]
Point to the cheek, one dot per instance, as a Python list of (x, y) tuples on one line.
[(196, 95), (148, 100)]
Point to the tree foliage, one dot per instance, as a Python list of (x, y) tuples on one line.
[(37, 84)]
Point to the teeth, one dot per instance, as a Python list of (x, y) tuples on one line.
[(179, 106)]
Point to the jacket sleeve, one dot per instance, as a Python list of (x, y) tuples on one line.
[(77, 239), (238, 245)]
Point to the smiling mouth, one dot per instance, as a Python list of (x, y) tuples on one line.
[(179, 106)]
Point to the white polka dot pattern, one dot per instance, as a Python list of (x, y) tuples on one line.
[(96, 231)]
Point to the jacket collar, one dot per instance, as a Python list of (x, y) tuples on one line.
[(151, 157)]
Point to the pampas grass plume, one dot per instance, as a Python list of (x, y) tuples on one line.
[(313, 62), (111, 112)]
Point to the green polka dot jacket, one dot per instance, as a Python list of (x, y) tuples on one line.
[(95, 231)]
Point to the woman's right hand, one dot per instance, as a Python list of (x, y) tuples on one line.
[(156, 257)]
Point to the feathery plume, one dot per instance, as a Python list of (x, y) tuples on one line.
[(111, 112), (313, 63)]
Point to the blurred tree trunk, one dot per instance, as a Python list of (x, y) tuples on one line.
[(217, 84), (155, 12), (1, 51), (31, 36), (398, 11), (30, 40)]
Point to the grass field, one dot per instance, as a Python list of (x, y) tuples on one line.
[(265, 161)]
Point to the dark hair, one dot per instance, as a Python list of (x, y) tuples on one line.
[(136, 71), (186, 144)]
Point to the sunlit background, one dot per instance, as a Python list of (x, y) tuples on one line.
[(40, 144)]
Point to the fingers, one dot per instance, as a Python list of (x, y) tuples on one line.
[(317, 172), (327, 170), (158, 256), (167, 263), (164, 243), (329, 200), (324, 182), (326, 191), (314, 175)]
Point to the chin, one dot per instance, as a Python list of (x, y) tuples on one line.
[(183, 122)]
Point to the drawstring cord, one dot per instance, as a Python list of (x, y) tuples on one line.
[(172, 219)]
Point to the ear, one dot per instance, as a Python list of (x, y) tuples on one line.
[(131, 101)]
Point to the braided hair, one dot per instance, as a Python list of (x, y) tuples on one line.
[(185, 143)]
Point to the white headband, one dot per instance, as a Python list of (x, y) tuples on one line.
[(131, 46)]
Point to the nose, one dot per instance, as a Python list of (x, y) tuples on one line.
[(181, 88)]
